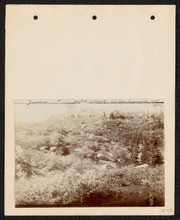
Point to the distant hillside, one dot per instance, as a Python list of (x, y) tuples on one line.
[(88, 134)]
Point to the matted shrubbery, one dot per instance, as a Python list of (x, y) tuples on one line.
[(86, 188)]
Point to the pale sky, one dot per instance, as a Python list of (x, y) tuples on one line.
[(40, 112)]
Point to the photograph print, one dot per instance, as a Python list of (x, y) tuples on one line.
[(89, 154)]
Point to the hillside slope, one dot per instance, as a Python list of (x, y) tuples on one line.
[(86, 158)]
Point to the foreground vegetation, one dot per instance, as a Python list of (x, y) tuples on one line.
[(91, 158)]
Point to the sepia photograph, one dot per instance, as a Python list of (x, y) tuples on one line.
[(89, 110), (89, 154)]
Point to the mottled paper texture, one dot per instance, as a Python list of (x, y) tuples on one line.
[(90, 95)]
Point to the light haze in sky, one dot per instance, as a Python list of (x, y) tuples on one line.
[(40, 112)]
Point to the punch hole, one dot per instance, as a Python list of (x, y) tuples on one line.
[(94, 17), (152, 17), (35, 17)]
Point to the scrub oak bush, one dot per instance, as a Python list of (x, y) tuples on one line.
[(88, 188)]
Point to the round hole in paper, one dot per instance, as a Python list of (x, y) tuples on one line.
[(152, 17), (94, 17), (35, 17)]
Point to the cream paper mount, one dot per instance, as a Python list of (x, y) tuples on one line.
[(90, 110)]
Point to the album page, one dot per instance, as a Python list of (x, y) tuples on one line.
[(89, 110)]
